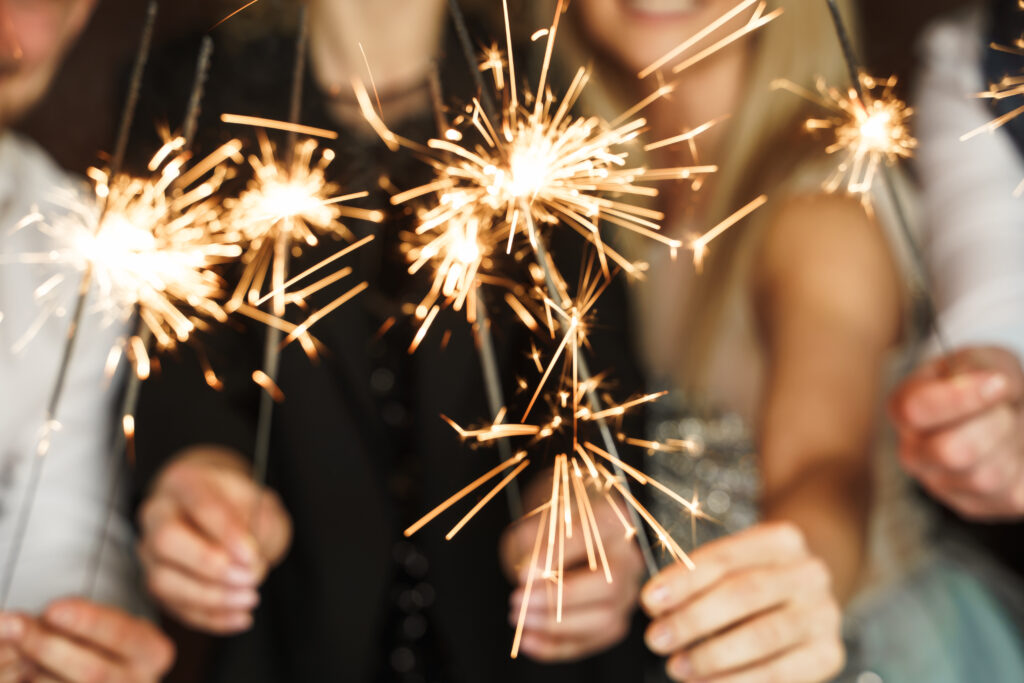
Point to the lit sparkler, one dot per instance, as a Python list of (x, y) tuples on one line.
[(871, 127), (583, 469), (1008, 86), (876, 135), (537, 165)]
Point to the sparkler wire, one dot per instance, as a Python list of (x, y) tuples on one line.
[(488, 357), (495, 400), (596, 406), (50, 424), (888, 180), (541, 255), (272, 344), (130, 399)]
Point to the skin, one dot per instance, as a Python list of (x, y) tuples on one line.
[(73, 640), (961, 425), (204, 556), (76, 641), (763, 605), (34, 36), (596, 614)]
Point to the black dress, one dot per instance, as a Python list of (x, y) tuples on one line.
[(358, 447)]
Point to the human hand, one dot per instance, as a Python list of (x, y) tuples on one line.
[(757, 608), (13, 667), (203, 553), (77, 641), (596, 614), (961, 425)]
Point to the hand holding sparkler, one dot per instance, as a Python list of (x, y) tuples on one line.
[(203, 556), (757, 607), (80, 641), (961, 422), (596, 613)]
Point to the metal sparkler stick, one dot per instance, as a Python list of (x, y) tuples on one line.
[(917, 256), (488, 356), (495, 394), (596, 406), (130, 400), (51, 424), (272, 348), (541, 254)]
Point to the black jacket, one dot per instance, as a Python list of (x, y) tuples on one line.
[(358, 447)]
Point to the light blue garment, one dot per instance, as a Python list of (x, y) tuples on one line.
[(940, 624)]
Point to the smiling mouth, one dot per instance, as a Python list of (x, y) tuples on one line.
[(660, 8)]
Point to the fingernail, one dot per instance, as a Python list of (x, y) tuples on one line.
[(680, 667), (239, 576), (242, 599), (656, 595), (993, 387), (11, 627), (659, 639)]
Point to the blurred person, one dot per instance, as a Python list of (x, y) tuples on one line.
[(321, 585), (43, 634), (777, 354), (961, 415)]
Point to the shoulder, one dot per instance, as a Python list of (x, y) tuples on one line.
[(826, 256)]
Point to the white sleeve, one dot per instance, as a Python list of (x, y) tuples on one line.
[(973, 226), (69, 512)]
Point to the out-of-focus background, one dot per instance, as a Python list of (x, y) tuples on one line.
[(96, 70)]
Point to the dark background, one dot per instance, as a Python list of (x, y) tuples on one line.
[(96, 69)]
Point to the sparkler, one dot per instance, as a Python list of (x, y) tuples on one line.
[(537, 166), (871, 128), (288, 202), (583, 469), (1008, 86), (873, 133), (143, 336), (53, 404)]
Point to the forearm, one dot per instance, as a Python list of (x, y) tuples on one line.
[(830, 503)]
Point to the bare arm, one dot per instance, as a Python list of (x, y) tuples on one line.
[(830, 298)]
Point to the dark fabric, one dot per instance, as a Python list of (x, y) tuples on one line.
[(1007, 28), (358, 446)]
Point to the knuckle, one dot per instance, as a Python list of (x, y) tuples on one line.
[(831, 617), (789, 536), (833, 658), (161, 654), (699, 619), (164, 540), (709, 658), (817, 573), (774, 633), (211, 513), (949, 450), (157, 582)]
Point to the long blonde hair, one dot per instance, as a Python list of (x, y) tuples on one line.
[(765, 145)]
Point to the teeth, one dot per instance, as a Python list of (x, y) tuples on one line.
[(661, 6)]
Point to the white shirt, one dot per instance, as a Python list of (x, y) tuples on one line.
[(973, 225), (69, 511)]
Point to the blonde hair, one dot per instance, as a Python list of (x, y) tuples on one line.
[(765, 145)]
